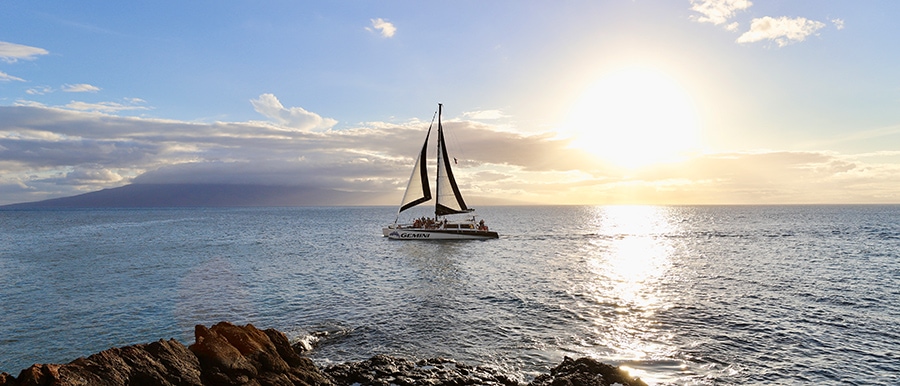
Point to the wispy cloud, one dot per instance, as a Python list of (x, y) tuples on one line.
[(105, 107), (294, 117), (23, 102), (485, 115), (89, 175), (718, 11), (81, 87), (783, 30), (385, 27), (4, 77), (838, 23), (39, 90), (11, 52)]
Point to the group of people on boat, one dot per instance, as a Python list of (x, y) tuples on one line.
[(428, 222), (431, 223)]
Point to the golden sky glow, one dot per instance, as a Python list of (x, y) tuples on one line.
[(634, 117)]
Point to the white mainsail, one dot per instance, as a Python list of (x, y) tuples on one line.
[(449, 199), (417, 190)]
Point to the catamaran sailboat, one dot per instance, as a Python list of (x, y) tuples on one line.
[(448, 204)]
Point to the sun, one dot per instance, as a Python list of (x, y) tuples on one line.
[(635, 117)]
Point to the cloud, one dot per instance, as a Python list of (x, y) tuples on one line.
[(81, 87), (106, 107), (718, 11), (838, 23), (294, 117), (783, 30), (58, 152), (22, 102), (386, 28), (39, 90), (48, 152), (11, 52), (763, 177), (4, 77), (485, 115), (96, 176)]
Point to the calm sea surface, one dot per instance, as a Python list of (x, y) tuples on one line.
[(680, 295)]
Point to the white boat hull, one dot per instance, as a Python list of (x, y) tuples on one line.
[(437, 234)]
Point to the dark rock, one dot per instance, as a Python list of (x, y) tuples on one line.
[(383, 370), (157, 363), (222, 355), (585, 372), (226, 354), (233, 355)]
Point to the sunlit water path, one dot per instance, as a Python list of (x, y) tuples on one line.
[(683, 295)]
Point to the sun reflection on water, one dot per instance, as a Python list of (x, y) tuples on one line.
[(627, 262)]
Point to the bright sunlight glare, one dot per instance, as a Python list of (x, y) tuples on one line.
[(634, 117), (632, 257)]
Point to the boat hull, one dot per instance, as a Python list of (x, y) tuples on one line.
[(437, 234)]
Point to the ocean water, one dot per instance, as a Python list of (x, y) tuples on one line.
[(679, 295)]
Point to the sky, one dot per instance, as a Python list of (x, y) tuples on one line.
[(564, 102)]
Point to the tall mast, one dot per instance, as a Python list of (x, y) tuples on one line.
[(437, 185)]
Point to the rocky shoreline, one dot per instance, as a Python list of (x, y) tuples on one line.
[(226, 354)]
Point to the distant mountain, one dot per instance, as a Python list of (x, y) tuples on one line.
[(205, 195)]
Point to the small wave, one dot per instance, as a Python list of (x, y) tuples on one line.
[(312, 337)]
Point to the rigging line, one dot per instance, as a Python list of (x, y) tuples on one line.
[(430, 126), (433, 118), (454, 147)]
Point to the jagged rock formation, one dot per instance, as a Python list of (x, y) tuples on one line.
[(158, 363), (222, 355), (382, 370), (583, 372), (233, 355)]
